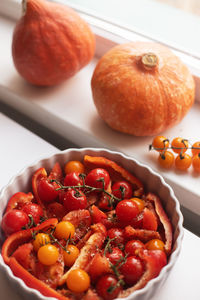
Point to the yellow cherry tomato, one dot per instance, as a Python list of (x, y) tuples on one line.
[(179, 145), (41, 239), (64, 230), (140, 203), (155, 244), (48, 254), (78, 281), (196, 163), (74, 166), (196, 148), (70, 258), (160, 143), (183, 161), (166, 159)]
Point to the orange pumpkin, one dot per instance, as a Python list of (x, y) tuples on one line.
[(142, 88), (51, 42)]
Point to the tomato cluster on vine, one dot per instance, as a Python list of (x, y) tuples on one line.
[(179, 147)]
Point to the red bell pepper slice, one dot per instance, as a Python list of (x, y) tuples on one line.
[(116, 172), (37, 176), (97, 215), (18, 200), (9, 247), (163, 219), (41, 173), (144, 235)]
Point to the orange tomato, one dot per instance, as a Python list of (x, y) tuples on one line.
[(183, 161), (140, 203), (155, 244), (179, 145), (71, 256), (74, 166), (196, 148), (64, 230), (160, 143), (196, 162), (166, 159), (41, 239), (48, 254), (78, 281)]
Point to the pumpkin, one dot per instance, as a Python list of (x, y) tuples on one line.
[(51, 43), (142, 88)]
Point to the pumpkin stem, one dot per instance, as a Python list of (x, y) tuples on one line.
[(149, 60), (24, 7)]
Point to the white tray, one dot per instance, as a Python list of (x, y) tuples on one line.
[(68, 109)]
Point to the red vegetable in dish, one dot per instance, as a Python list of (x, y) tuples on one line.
[(110, 252)]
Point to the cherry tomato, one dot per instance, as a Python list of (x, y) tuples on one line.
[(166, 159), (64, 230), (48, 254), (122, 190), (160, 143), (132, 269), (132, 247), (126, 210), (70, 258), (73, 179), (13, 221), (155, 244), (74, 166), (34, 210), (115, 255), (104, 202), (107, 287), (74, 200), (118, 235), (196, 162), (196, 151), (98, 178), (47, 190), (183, 161), (40, 240), (140, 203), (78, 281), (18, 200), (179, 145)]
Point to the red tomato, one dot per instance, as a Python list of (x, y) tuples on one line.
[(107, 287), (73, 179), (35, 210), (47, 190), (13, 221), (115, 255), (96, 177), (104, 203), (56, 210), (127, 210), (97, 215), (73, 200), (132, 270), (132, 246), (118, 234), (122, 190), (18, 200)]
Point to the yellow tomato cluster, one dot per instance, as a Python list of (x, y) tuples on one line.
[(48, 254), (179, 146)]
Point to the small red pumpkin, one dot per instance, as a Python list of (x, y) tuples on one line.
[(51, 42), (142, 88)]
